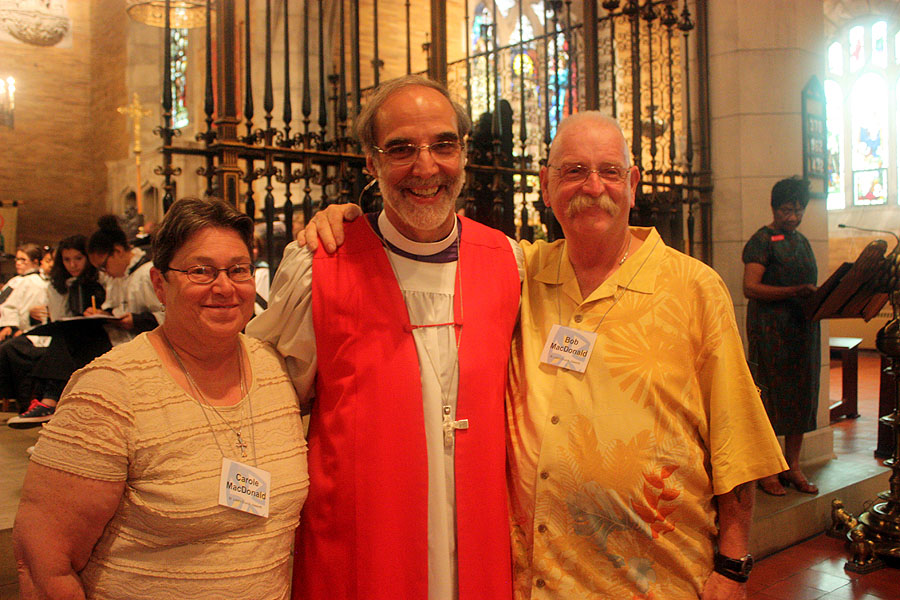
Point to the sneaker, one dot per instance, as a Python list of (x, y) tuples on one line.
[(36, 414)]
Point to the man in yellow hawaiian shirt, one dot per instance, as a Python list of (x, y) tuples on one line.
[(635, 443)]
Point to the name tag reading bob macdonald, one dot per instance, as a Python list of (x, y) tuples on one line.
[(244, 488), (568, 348)]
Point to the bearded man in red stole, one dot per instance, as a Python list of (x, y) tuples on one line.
[(406, 331)]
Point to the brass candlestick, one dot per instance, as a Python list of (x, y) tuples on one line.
[(877, 534)]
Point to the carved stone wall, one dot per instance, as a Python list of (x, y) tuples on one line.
[(36, 22)]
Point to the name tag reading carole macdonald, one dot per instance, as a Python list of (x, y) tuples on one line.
[(569, 348), (244, 488)]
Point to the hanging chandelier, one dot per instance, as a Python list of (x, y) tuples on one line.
[(183, 14)]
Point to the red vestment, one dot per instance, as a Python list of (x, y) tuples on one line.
[(364, 528)]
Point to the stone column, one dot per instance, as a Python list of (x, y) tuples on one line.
[(761, 55)]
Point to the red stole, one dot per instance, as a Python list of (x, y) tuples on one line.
[(364, 528)]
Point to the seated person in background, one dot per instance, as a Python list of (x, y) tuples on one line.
[(129, 297), (73, 288), (148, 439), (129, 293), (28, 289), (47, 259)]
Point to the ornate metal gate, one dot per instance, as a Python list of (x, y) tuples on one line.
[(523, 71)]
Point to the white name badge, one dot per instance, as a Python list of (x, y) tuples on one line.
[(244, 488), (568, 348)]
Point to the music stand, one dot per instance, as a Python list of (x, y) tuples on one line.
[(854, 290)]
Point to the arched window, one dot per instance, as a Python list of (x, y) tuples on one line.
[(863, 81), (179, 48)]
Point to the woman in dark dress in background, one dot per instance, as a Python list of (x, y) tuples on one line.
[(779, 273)]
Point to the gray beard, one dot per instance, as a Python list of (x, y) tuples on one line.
[(419, 216)]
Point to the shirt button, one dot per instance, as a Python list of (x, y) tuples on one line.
[(544, 474), (578, 318), (539, 583), (554, 419), (542, 528)]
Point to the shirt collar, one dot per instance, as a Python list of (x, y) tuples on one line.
[(445, 250), (638, 273)]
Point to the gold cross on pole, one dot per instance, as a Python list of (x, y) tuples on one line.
[(136, 111)]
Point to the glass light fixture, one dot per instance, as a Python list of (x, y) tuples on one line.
[(183, 14)]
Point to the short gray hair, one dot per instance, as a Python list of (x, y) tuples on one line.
[(187, 216), (594, 116), (364, 127)]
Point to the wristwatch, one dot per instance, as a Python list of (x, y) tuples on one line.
[(736, 569)]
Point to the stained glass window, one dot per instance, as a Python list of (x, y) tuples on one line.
[(834, 103), (179, 78), (868, 104), (480, 83), (857, 37), (862, 134), (879, 44), (836, 58), (897, 47)]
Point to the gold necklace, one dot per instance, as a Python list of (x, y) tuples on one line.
[(240, 444)]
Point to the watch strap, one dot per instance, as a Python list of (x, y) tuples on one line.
[(736, 569)]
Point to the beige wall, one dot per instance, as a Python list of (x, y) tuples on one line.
[(52, 163)]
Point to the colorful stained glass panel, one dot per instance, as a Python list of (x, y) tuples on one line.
[(834, 119), (856, 37), (868, 106), (879, 44)]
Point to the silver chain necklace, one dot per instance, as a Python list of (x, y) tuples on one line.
[(240, 444)]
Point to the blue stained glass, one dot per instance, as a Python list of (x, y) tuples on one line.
[(178, 75), (879, 44)]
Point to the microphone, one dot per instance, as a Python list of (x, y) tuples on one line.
[(843, 226)]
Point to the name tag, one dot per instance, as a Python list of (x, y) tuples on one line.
[(568, 348), (244, 488), (777, 238)]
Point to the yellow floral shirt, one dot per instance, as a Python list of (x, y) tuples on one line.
[(613, 472)]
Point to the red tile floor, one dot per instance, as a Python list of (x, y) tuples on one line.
[(815, 568)]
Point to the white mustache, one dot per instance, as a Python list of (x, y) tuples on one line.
[(581, 202)]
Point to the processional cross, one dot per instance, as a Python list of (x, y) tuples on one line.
[(136, 111)]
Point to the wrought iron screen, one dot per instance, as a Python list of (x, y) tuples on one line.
[(526, 66)]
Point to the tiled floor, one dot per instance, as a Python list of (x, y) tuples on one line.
[(814, 569)]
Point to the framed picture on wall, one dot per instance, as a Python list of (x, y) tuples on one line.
[(815, 138)]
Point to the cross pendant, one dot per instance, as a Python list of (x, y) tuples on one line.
[(450, 425), (241, 445)]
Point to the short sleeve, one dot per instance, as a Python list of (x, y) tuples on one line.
[(92, 429), (756, 250), (741, 442)]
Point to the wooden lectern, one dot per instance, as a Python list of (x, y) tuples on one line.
[(853, 290), (860, 290)]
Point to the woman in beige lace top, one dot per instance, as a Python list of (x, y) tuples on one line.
[(175, 465)]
